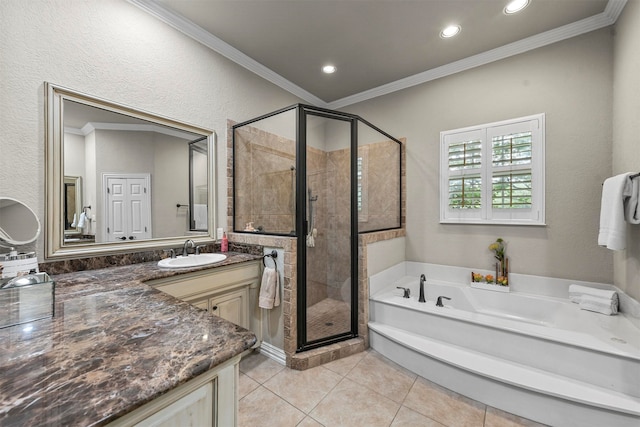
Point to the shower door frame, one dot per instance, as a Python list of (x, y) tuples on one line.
[(302, 225)]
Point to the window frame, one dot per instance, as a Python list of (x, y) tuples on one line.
[(486, 214)]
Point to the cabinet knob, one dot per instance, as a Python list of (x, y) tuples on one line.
[(123, 238), (214, 308)]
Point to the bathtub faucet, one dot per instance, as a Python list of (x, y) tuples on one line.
[(422, 280), (406, 292), (439, 301)]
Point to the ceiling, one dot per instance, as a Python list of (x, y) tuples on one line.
[(378, 46)]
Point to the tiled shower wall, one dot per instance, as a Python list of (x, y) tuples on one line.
[(265, 180)]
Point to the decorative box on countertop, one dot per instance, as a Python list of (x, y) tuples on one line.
[(26, 298)]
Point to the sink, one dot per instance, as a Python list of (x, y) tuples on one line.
[(191, 260)]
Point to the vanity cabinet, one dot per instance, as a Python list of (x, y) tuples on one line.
[(208, 400), (230, 292)]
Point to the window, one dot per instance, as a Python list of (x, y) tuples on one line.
[(493, 173)]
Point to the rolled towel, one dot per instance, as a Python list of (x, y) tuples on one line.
[(599, 305), (576, 292)]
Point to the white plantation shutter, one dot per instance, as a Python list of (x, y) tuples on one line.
[(493, 173)]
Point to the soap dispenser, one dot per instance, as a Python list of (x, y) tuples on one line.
[(224, 244)]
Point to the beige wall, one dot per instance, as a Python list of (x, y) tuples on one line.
[(112, 50), (571, 82), (626, 133)]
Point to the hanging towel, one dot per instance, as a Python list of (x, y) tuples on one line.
[(200, 216), (599, 305), (73, 223), (269, 289), (632, 204), (576, 292), (83, 219), (613, 227)]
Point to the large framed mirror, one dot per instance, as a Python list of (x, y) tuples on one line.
[(121, 179)]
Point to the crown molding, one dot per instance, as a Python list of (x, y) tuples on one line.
[(197, 33), (608, 17), (601, 20), (127, 127)]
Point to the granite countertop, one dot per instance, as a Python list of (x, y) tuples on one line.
[(113, 345)]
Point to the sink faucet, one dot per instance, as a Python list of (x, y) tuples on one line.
[(422, 280), (185, 248)]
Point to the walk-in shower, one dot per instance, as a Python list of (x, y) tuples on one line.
[(319, 177)]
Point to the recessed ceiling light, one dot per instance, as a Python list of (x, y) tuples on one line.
[(515, 6), (329, 69), (450, 31)]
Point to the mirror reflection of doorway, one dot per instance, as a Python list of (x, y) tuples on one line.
[(127, 199)]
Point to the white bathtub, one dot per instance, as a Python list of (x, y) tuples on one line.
[(536, 356)]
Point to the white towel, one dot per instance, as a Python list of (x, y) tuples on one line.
[(613, 227), (632, 203), (83, 218), (576, 292), (73, 223), (200, 216), (269, 289), (599, 305)]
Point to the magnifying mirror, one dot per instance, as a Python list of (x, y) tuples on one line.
[(19, 225)]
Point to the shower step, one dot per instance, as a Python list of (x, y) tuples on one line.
[(525, 391)]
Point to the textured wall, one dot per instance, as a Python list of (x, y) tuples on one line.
[(626, 133), (112, 50), (571, 82)]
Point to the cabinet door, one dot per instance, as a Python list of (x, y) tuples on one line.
[(232, 306), (194, 410)]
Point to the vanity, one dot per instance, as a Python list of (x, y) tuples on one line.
[(127, 343), (121, 351), (230, 292)]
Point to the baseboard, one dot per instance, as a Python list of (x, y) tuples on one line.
[(273, 352)]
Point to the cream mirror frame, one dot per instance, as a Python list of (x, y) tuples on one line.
[(55, 247)]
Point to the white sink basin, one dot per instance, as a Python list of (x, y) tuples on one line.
[(191, 260)]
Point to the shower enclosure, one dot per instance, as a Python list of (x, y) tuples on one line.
[(321, 177)]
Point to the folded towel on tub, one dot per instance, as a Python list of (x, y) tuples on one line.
[(576, 292), (269, 289), (599, 305)]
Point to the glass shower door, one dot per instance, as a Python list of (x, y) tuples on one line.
[(329, 232)]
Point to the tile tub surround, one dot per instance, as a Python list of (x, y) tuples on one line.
[(113, 345)]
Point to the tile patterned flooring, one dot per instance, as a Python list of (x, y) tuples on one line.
[(365, 389), (328, 317)]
